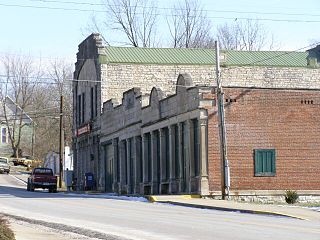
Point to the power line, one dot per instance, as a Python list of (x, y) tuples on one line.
[(194, 10), (96, 81), (68, 2), (50, 8), (273, 57), (103, 11), (48, 78)]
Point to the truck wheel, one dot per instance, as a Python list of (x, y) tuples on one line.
[(50, 190), (54, 190)]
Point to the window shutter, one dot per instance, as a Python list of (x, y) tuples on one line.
[(264, 162)]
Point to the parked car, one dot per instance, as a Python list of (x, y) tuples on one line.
[(4, 165), (22, 162), (42, 178)]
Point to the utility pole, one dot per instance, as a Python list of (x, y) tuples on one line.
[(61, 142), (225, 170), (33, 139)]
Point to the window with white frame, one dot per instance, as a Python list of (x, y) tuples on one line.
[(4, 135)]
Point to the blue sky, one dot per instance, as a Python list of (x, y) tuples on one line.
[(49, 33)]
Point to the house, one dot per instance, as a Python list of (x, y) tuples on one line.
[(52, 160), (103, 74), (13, 113)]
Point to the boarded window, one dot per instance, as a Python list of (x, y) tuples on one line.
[(264, 162)]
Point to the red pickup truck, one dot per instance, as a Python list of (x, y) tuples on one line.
[(42, 178)]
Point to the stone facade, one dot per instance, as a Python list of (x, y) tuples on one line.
[(146, 76), (101, 84), (158, 148)]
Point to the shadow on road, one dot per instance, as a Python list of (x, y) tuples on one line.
[(19, 192)]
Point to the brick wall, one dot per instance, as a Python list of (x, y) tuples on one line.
[(284, 120)]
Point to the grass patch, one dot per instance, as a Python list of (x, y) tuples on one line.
[(308, 204), (5, 232)]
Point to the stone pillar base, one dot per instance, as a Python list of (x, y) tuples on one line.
[(164, 188), (115, 187), (174, 186), (204, 186), (155, 188), (195, 185), (136, 189)]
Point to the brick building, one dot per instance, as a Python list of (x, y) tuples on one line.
[(104, 73), (172, 145), (273, 142)]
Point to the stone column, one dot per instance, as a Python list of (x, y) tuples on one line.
[(102, 169), (155, 164), (203, 174), (138, 164), (172, 178), (123, 159), (180, 175), (128, 166), (188, 155), (162, 159), (162, 155), (145, 186), (192, 151), (115, 185), (145, 158)]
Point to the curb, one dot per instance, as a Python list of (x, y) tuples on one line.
[(19, 179), (153, 198), (260, 212)]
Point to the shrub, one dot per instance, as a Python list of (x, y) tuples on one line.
[(291, 196), (5, 232)]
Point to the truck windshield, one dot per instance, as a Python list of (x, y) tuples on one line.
[(3, 160), (43, 171)]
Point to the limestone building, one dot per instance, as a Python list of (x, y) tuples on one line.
[(103, 74)]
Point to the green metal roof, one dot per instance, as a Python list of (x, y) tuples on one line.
[(159, 56), (189, 56), (266, 58)]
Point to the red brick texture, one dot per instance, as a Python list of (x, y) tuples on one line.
[(285, 120)]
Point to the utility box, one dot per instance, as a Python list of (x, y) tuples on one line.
[(89, 181), (68, 178)]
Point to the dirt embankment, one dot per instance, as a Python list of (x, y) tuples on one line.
[(5, 232)]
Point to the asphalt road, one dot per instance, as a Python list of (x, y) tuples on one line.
[(103, 218)]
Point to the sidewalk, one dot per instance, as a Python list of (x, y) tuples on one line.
[(233, 206)]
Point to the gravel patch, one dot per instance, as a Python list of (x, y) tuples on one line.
[(66, 231)]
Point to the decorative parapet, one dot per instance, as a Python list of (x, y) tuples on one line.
[(132, 110)]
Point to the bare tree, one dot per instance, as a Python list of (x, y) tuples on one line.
[(135, 18), (61, 73), (47, 102), (21, 80), (189, 26), (249, 35)]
